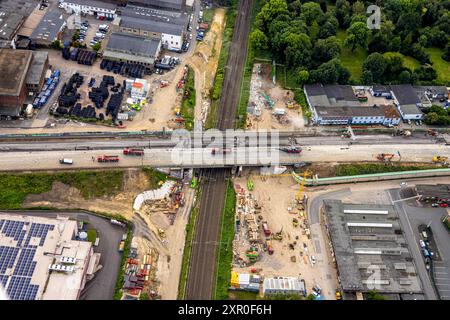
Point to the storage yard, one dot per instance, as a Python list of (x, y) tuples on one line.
[(273, 237), (270, 106)]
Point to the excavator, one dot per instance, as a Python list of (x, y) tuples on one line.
[(278, 236), (440, 159), (386, 157), (300, 195)]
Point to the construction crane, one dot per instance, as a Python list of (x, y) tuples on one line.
[(385, 156), (300, 195)]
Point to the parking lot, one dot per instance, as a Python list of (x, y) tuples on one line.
[(417, 215)]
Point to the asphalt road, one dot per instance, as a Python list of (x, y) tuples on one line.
[(412, 237), (202, 157), (103, 284)]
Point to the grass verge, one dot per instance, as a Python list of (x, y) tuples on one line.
[(441, 66), (190, 232), (15, 187), (216, 90), (121, 276), (92, 235), (155, 177), (189, 99), (372, 168), (353, 61), (225, 256)]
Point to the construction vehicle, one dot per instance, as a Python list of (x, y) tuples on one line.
[(278, 236), (432, 132), (291, 105), (267, 231), (440, 159), (338, 295), (250, 185), (269, 247), (106, 158), (161, 233), (300, 196), (252, 254), (215, 151), (295, 222), (385, 156), (133, 152), (292, 149)]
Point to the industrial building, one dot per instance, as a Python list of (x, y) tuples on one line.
[(132, 49), (176, 5), (91, 7), (283, 285), (437, 192), (49, 29), (370, 250), (407, 101), (41, 260), (168, 27), (342, 105), (10, 23), (23, 74)]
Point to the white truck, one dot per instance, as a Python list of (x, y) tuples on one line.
[(65, 161)]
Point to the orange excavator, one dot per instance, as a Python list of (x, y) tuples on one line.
[(385, 156)]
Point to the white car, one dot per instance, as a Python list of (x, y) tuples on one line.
[(422, 244), (313, 259)]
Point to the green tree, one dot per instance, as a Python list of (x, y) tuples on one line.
[(311, 12), (367, 77), (331, 72), (376, 64), (302, 77), (375, 295), (270, 11), (357, 35), (446, 55), (342, 13), (96, 47), (326, 49), (298, 50), (405, 77), (56, 45), (259, 40)]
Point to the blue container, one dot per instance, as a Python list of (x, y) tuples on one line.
[(56, 74), (49, 81)]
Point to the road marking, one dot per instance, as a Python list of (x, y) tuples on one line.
[(405, 199)]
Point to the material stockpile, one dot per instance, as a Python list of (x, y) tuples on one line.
[(49, 87), (114, 104), (137, 272), (123, 68), (256, 101), (69, 92)]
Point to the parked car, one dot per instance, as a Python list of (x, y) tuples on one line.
[(435, 205), (443, 205), (422, 244)]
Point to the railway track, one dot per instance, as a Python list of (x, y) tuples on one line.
[(202, 270)]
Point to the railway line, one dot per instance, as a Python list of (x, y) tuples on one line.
[(202, 271)]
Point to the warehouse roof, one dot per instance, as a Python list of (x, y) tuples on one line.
[(133, 44), (405, 94), (331, 95), (370, 248), (93, 3), (37, 67), (49, 27), (149, 24), (177, 18), (165, 4), (10, 23), (14, 65), (357, 111)]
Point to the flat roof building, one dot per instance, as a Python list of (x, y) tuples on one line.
[(40, 260), (36, 74), (407, 101), (176, 5), (49, 28), (130, 48), (283, 285), (370, 250)]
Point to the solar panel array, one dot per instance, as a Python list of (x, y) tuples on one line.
[(20, 259)]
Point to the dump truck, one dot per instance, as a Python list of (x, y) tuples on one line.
[(266, 229), (440, 159), (295, 222), (269, 247), (133, 152), (106, 158), (215, 151), (161, 233)]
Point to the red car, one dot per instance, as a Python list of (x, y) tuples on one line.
[(443, 205)]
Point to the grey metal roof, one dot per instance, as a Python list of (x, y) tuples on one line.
[(405, 94), (133, 45), (152, 25), (93, 3), (177, 18), (166, 4), (49, 27), (331, 95), (37, 67), (10, 22)]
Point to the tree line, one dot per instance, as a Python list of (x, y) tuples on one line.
[(303, 35)]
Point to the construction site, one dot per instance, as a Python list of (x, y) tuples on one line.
[(270, 106), (273, 236)]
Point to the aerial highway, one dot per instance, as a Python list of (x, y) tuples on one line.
[(203, 157)]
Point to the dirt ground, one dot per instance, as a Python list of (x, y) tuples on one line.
[(262, 87), (65, 197), (205, 60), (276, 196)]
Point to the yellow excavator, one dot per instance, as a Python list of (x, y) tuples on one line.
[(300, 195), (440, 159)]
